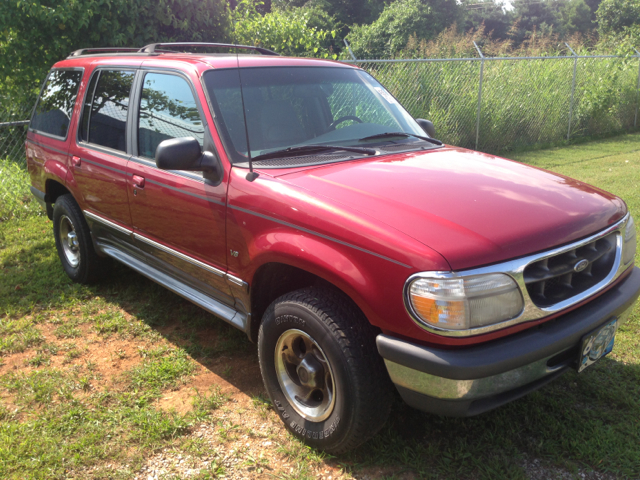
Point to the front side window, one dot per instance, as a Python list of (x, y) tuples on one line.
[(104, 118), (52, 114), (296, 106), (168, 109)]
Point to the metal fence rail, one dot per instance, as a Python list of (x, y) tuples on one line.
[(494, 104)]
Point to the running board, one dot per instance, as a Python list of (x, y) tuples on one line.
[(226, 313)]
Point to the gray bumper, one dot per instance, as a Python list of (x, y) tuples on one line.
[(469, 381)]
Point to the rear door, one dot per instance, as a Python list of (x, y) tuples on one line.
[(47, 138), (178, 217), (99, 157)]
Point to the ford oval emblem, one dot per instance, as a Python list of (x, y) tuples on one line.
[(580, 266)]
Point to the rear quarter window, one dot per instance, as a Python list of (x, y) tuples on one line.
[(53, 111)]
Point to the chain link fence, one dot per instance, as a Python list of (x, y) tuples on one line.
[(496, 104), (13, 132), (492, 104)]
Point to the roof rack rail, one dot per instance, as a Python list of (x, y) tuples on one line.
[(85, 51), (152, 48)]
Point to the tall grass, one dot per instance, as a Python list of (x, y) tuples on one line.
[(16, 200), (523, 101)]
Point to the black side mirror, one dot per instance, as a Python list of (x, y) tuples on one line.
[(427, 126), (185, 154)]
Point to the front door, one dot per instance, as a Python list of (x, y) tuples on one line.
[(178, 217)]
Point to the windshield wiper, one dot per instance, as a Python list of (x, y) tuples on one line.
[(304, 149), (402, 134)]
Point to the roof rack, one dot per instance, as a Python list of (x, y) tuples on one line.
[(84, 51), (154, 46)]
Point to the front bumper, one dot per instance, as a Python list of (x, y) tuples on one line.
[(473, 380)]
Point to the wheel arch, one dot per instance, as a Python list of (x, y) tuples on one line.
[(53, 190), (274, 279)]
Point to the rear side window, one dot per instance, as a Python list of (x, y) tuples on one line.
[(167, 110), (52, 114), (104, 114)]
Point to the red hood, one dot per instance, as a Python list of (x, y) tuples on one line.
[(472, 208)]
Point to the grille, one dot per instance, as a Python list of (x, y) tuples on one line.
[(554, 279)]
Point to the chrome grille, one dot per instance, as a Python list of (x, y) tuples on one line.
[(555, 279)]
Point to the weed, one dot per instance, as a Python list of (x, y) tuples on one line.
[(68, 330), (204, 404), (38, 360), (159, 373)]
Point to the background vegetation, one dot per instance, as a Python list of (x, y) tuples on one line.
[(36, 34)]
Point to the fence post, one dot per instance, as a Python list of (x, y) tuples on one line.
[(573, 88), (635, 119), (479, 93), (349, 48)]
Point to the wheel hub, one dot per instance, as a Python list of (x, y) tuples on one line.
[(310, 372), (69, 241), (304, 375)]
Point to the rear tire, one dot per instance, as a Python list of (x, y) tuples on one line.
[(322, 371), (73, 242)]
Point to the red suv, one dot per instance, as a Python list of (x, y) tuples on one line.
[(297, 200)]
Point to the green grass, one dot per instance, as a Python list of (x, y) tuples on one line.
[(16, 200), (67, 406)]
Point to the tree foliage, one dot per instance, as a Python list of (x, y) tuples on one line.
[(350, 12), (619, 24), (288, 32), (35, 34), (401, 19)]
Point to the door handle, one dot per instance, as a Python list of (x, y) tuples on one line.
[(138, 181), (76, 161)]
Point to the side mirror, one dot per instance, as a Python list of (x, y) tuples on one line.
[(185, 154), (427, 126)]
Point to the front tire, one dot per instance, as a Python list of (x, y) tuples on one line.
[(73, 242), (322, 371)]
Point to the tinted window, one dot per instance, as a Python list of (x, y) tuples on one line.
[(167, 110), (108, 120), (55, 106)]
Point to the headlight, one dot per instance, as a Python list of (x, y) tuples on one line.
[(464, 303), (630, 241)]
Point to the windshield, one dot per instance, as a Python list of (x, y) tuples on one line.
[(295, 106)]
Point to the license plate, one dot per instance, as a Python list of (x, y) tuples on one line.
[(597, 344)]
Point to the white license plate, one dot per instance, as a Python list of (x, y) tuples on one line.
[(597, 344)]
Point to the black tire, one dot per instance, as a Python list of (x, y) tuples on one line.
[(88, 267), (362, 389)]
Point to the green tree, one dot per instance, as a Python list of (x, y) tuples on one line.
[(576, 17), (348, 11), (496, 19), (288, 32), (619, 24), (390, 33), (37, 33), (535, 16), (615, 17)]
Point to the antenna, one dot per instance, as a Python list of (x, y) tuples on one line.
[(251, 176)]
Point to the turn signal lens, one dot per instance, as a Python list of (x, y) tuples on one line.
[(464, 303), (630, 242)]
